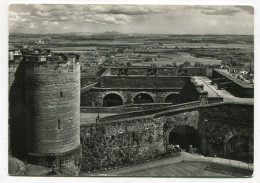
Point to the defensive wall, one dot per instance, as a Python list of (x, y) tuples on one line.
[(161, 71), (168, 84), (232, 84), (142, 82), (118, 142), (157, 87)]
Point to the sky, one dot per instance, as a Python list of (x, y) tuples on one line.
[(146, 19)]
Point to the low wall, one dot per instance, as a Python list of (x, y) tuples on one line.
[(212, 100), (148, 112), (123, 109)]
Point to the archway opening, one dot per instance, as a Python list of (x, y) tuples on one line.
[(184, 136), (173, 98), (143, 98), (112, 100), (237, 147)]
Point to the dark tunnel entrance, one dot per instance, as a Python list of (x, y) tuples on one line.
[(143, 98), (112, 100), (184, 136)]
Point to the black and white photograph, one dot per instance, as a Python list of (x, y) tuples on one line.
[(130, 90)]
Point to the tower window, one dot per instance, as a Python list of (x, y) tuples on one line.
[(61, 94), (58, 123)]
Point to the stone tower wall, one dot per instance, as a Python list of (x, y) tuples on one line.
[(16, 112), (53, 113), (52, 102)]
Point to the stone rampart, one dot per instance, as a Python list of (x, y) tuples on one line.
[(96, 95), (161, 71), (134, 140), (142, 82)]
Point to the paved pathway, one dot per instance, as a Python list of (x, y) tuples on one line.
[(185, 165)]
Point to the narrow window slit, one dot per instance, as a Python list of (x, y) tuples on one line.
[(58, 123)]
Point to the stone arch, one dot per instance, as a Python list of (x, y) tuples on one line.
[(112, 99), (183, 135), (174, 98), (143, 97)]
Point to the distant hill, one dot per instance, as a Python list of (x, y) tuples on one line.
[(111, 33), (78, 33)]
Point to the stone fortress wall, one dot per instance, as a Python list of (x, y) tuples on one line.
[(162, 71), (167, 81), (136, 140)]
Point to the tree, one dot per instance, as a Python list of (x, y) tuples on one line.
[(186, 64), (198, 64), (174, 64)]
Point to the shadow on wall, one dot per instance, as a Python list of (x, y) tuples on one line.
[(17, 133)]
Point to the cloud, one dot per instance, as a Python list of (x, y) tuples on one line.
[(225, 11), (40, 17), (49, 24), (133, 10)]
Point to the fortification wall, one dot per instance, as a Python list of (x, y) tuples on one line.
[(142, 82), (187, 89), (163, 71), (107, 145), (135, 140), (95, 96), (222, 122)]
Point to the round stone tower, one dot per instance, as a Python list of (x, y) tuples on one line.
[(53, 111)]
